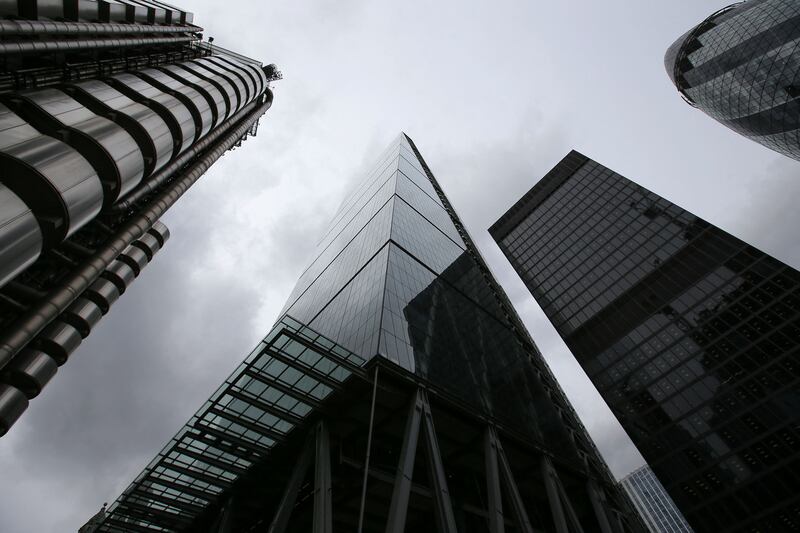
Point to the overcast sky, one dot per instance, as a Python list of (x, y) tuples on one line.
[(493, 93)]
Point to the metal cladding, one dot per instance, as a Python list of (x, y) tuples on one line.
[(20, 235), (120, 274), (135, 258), (32, 368), (740, 67), (100, 15), (30, 372), (12, 404), (150, 131), (59, 340), (83, 315), (94, 148), (79, 149), (110, 149), (104, 293)]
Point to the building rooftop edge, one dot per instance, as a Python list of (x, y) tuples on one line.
[(537, 194)]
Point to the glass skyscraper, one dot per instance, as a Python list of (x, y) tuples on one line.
[(741, 66), (395, 338), (691, 335), (653, 503), (109, 112)]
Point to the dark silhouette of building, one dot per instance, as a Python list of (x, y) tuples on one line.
[(741, 66), (398, 370), (691, 335), (109, 112)]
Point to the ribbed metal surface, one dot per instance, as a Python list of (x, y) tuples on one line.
[(149, 244), (100, 13), (104, 293), (12, 404), (160, 231), (83, 315), (20, 236), (109, 148), (59, 340), (172, 110), (135, 258), (30, 372), (51, 177), (138, 135), (191, 97), (120, 274), (150, 131)]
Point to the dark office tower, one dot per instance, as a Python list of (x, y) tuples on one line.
[(397, 392), (741, 66), (653, 503), (691, 335), (109, 112)]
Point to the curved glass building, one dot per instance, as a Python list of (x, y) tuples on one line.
[(741, 66)]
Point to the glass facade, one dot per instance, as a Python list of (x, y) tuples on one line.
[(741, 66), (395, 278), (691, 335), (395, 283), (653, 503)]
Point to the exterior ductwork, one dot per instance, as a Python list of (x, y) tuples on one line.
[(85, 127), (30, 372), (50, 27), (12, 404), (49, 47), (32, 368), (94, 149)]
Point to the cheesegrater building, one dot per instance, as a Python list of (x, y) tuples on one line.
[(691, 335), (741, 66), (109, 111), (398, 391)]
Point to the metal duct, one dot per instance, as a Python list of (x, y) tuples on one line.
[(150, 131), (48, 27), (49, 47), (20, 235), (158, 179), (52, 178), (22, 332), (12, 404), (110, 149), (30, 371)]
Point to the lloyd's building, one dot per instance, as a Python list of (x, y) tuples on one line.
[(398, 391), (109, 112)]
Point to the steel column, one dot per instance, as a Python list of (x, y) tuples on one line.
[(369, 449), (559, 500), (445, 519), (493, 491), (517, 505), (549, 476), (323, 508), (289, 498), (599, 504), (405, 468), (224, 523)]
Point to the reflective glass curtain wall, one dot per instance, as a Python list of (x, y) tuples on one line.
[(395, 284), (741, 66), (690, 334)]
